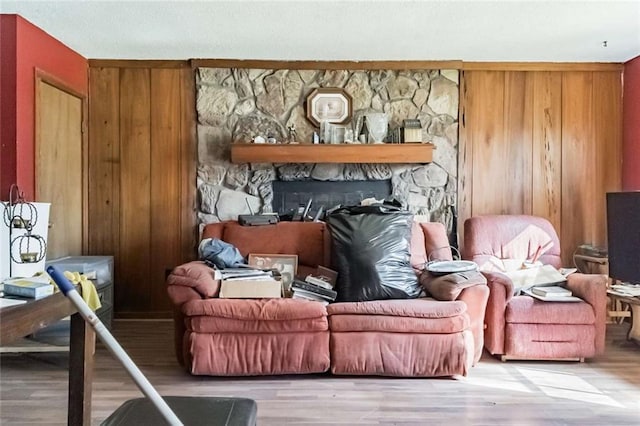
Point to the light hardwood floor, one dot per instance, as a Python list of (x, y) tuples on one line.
[(605, 391)]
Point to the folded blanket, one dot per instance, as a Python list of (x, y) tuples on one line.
[(449, 286), (88, 290)]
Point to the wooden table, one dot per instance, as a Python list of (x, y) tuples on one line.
[(21, 320), (634, 304)]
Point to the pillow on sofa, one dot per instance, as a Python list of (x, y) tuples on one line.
[(449, 286), (429, 241)]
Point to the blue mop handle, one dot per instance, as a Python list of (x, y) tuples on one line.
[(62, 282), (112, 344)]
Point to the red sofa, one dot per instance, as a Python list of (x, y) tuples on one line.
[(237, 337)]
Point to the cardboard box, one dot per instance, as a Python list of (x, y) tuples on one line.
[(250, 289)]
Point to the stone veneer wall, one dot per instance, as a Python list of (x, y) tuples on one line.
[(235, 104)]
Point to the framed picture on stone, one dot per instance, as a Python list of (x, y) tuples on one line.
[(333, 105)]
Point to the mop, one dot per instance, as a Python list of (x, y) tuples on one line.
[(233, 411)]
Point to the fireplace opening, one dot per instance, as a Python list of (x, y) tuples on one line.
[(290, 196)]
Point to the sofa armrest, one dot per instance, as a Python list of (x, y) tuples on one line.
[(499, 279), (592, 288), (500, 293), (475, 298), (192, 280), (189, 281)]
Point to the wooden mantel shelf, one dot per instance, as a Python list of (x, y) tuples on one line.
[(342, 153)]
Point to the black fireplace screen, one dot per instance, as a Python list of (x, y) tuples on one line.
[(289, 196)]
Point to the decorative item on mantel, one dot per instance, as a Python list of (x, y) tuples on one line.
[(271, 138), (377, 123), (412, 130), (330, 104), (291, 130)]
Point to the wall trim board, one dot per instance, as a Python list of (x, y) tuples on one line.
[(324, 65), (188, 167), (358, 65), (138, 63), (51, 79), (541, 66)]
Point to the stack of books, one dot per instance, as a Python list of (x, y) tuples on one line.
[(239, 274), (628, 290), (317, 287), (31, 287), (552, 293), (554, 290)]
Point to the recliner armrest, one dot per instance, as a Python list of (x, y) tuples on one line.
[(592, 288), (192, 280), (500, 279), (500, 293), (475, 298)]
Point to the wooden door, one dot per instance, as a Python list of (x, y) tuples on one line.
[(59, 166)]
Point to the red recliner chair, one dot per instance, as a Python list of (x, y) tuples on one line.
[(519, 326)]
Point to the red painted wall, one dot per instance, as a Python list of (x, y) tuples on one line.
[(7, 103), (34, 49), (631, 123)]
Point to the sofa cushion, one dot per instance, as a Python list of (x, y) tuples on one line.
[(527, 310), (415, 308), (255, 309), (306, 239), (436, 241), (233, 354), (401, 354), (207, 324), (395, 324), (399, 316), (254, 316), (196, 275), (417, 248), (492, 237), (550, 341)]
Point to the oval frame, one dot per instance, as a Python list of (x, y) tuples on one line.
[(331, 104)]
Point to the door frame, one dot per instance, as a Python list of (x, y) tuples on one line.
[(44, 77)]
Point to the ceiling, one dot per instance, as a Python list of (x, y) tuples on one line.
[(556, 31)]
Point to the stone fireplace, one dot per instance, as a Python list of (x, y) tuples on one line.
[(235, 104)]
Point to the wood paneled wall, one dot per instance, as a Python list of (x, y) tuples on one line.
[(142, 178), (533, 141), (546, 143)]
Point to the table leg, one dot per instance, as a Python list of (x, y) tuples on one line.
[(81, 352), (634, 331)]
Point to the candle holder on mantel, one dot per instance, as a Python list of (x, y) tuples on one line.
[(21, 217)]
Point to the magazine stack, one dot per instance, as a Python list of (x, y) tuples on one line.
[(318, 287)]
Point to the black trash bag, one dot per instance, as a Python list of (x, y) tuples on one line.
[(370, 252), (220, 253)]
